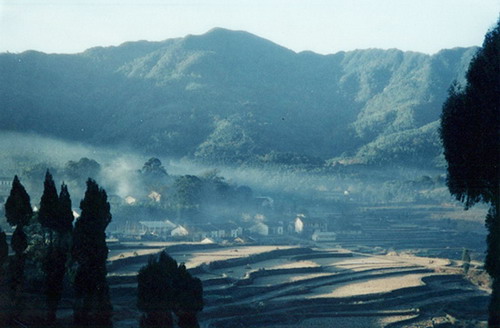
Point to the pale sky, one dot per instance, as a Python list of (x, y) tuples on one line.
[(322, 26)]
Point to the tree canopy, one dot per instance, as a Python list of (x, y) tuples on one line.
[(18, 209), (65, 222), (49, 204), (470, 128), (470, 131), (164, 287), (90, 252)]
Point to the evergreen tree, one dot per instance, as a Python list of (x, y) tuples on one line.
[(49, 204), (189, 298), (65, 213), (470, 132), (163, 288), (155, 292), (57, 254), (89, 250), (4, 251), (18, 209), (55, 268), (18, 212)]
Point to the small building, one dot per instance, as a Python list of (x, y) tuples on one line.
[(158, 228), (154, 196), (276, 228), (202, 231), (298, 224), (324, 236), (207, 240), (231, 230), (303, 224), (130, 200), (179, 231)]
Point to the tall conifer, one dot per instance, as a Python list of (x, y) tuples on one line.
[(18, 212), (66, 217), (18, 209), (49, 203), (89, 250)]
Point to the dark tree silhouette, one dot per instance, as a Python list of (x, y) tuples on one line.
[(79, 171), (18, 212), (48, 215), (470, 132), (55, 268), (163, 288), (154, 168), (57, 216), (65, 214), (189, 298), (155, 292), (4, 299), (4, 250), (89, 250), (18, 209)]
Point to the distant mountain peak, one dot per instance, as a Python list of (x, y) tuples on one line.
[(219, 38)]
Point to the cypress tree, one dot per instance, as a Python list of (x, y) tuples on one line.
[(18, 209), (49, 204), (65, 214), (18, 212), (57, 255), (89, 250)]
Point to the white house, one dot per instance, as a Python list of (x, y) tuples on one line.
[(299, 224), (179, 231)]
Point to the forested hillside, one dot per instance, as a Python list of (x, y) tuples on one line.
[(230, 96)]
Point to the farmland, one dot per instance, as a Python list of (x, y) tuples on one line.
[(286, 286)]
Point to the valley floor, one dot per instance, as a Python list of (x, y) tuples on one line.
[(321, 286)]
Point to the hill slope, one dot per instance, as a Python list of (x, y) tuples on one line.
[(231, 96)]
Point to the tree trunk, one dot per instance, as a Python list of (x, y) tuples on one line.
[(494, 308)]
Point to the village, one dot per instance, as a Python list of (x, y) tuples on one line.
[(236, 232), (424, 229)]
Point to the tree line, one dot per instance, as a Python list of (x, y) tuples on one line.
[(64, 254)]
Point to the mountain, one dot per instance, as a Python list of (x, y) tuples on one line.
[(230, 96)]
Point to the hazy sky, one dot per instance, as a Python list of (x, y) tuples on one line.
[(323, 26)]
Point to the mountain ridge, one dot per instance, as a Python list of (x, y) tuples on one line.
[(226, 96)]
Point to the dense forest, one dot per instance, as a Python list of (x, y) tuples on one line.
[(231, 97)]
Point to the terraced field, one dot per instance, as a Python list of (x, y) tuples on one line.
[(291, 287)]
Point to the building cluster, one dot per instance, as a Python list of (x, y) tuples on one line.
[(232, 231)]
